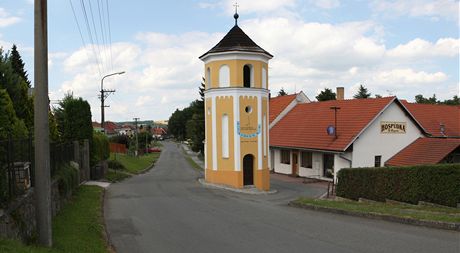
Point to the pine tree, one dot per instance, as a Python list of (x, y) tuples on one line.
[(325, 95), (362, 92), (17, 89), (18, 65), (282, 92)]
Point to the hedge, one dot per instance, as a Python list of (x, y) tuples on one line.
[(438, 184), (100, 150)]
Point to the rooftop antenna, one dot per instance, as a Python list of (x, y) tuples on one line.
[(236, 16)]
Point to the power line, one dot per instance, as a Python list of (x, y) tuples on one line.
[(110, 33), (82, 2), (101, 23), (96, 36)]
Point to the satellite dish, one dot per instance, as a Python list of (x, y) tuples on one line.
[(330, 130)]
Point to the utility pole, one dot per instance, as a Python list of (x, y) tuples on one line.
[(104, 95), (137, 133), (41, 129)]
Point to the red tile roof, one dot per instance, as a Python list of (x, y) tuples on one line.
[(431, 116), (278, 104), (305, 125), (110, 127), (424, 151)]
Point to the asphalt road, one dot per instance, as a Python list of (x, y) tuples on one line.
[(167, 210)]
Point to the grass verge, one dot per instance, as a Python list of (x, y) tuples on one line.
[(190, 160), (135, 165), (437, 214), (77, 228), (114, 176)]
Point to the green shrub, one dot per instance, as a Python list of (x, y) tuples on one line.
[(116, 165), (67, 177), (100, 148), (432, 183)]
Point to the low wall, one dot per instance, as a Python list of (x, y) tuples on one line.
[(18, 221)]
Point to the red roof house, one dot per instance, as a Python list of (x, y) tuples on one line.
[(279, 106), (427, 151), (437, 120)]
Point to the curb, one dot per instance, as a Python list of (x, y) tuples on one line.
[(224, 187), (409, 221)]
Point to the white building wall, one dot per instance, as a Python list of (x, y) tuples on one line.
[(341, 161), (372, 143), (281, 167), (316, 166)]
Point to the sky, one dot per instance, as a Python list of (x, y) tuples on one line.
[(393, 47)]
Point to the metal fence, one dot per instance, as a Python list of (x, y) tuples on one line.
[(17, 168)]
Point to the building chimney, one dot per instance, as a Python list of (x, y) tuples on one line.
[(340, 93)]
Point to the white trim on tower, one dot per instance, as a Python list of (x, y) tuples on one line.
[(236, 136), (214, 135), (259, 136)]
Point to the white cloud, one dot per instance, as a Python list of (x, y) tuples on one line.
[(326, 4), (163, 71), (6, 19), (250, 6), (409, 76), (419, 8), (419, 48)]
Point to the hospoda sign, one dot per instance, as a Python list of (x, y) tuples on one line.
[(391, 127)]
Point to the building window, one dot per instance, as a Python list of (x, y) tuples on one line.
[(378, 161), (306, 160), (224, 76), (208, 78), (225, 143), (248, 78), (285, 156), (264, 78)]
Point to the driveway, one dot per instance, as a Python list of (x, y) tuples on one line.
[(167, 210)]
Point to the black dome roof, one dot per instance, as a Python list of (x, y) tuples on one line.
[(236, 40)]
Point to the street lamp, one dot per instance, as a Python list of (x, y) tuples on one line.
[(104, 95)]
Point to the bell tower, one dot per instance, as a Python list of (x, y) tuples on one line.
[(236, 112)]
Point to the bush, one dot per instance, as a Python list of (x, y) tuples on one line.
[(67, 177), (116, 165), (432, 183), (120, 139), (100, 149)]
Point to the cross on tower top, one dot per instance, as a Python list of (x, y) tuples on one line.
[(236, 16)]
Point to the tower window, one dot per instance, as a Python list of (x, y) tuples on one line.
[(225, 142), (224, 76), (248, 76), (208, 78), (264, 78)]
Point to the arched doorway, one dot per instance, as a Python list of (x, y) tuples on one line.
[(248, 170)]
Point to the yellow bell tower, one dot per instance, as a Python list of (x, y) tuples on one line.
[(236, 112)]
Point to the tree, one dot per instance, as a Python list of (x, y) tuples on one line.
[(282, 92), (17, 89), (18, 65), (326, 94), (73, 118), (189, 122), (454, 101), (378, 96), (362, 92), (420, 99), (10, 125)]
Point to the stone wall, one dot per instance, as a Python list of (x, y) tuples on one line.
[(18, 222)]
